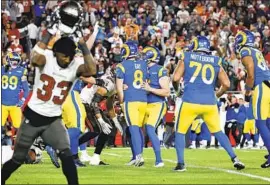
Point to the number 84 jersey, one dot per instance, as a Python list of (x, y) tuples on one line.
[(201, 72), (52, 85)]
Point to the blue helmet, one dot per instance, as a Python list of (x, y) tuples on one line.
[(243, 38), (13, 59), (151, 54), (200, 43), (129, 49)]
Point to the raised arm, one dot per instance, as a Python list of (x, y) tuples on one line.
[(89, 67)]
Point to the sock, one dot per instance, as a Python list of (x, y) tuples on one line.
[(268, 123), (69, 169), (155, 142), (225, 143), (136, 139), (130, 143), (142, 140), (256, 138), (87, 136), (180, 146), (192, 136), (102, 138), (74, 134), (83, 147), (8, 168), (248, 137), (265, 134)]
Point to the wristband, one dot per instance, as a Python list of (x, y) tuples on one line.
[(248, 88), (39, 50)]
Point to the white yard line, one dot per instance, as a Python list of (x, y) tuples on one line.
[(206, 167)]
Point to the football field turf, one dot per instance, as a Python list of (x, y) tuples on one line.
[(203, 167)]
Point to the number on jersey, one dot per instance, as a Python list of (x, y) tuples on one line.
[(202, 69), (138, 79), (261, 61), (9, 82), (45, 93)]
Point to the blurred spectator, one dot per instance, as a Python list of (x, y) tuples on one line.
[(232, 108), (33, 32), (27, 8), (13, 32), (39, 12), (131, 30), (115, 39)]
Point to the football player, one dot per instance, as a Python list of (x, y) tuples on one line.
[(257, 84), (13, 81), (104, 89), (74, 114), (133, 72), (56, 70), (200, 71), (157, 88)]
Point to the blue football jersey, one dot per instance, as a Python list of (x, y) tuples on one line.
[(12, 85), (134, 73), (155, 73), (78, 86), (201, 72), (261, 70)]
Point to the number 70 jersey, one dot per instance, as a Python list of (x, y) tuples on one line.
[(201, 72), (52, 85)]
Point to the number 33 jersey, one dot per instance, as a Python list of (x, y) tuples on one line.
[(201, 72), (52, 85)]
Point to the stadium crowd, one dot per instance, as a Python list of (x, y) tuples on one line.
[(168, 25)]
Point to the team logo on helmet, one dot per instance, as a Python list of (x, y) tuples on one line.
[(151, 54), (13, 59), (243, 38)]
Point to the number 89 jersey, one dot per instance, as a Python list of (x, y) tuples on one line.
[(12, 85), (134, 73), (52, 85), (201, 72), (261, 71)]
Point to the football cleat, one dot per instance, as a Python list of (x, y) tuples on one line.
[(53, 155), (159, 165), (266, 165), (79, 163), (180, 167), (139, 161), (131, 162), (103, 163), (85, 158), (238, 164), (192, 147)]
